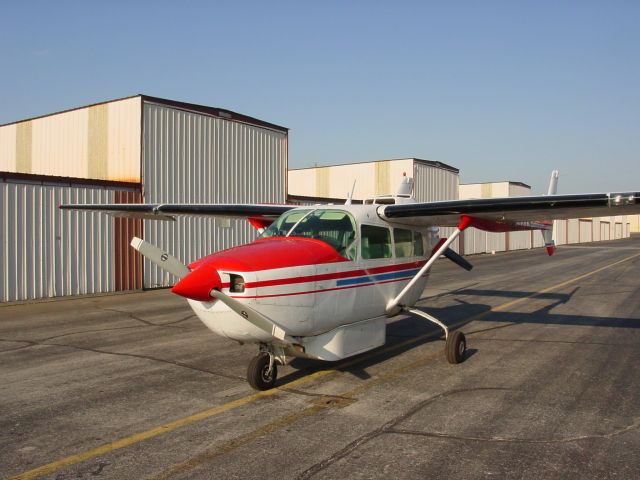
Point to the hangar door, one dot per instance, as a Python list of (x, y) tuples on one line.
[(604, 231), (618, 231), (586, 231)]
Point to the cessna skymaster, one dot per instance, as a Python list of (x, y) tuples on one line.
[(321, 281)]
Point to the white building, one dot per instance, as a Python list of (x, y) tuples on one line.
[(136, 149), (565, 231), (433, 180)]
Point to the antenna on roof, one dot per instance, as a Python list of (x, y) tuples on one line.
[(406, 185), (350, 196)]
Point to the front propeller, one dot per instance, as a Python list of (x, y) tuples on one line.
[(198, 284), (203, 283)]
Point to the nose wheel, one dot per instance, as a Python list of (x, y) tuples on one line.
[(262, 371)]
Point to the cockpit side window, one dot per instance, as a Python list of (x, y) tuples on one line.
[(334, 227), (376, 242), (284, 223), (407, 243)]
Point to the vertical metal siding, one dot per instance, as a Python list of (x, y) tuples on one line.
[(560, 232), (128, 262), (47, 252), (519, 240), (432, 183), (192, 157)]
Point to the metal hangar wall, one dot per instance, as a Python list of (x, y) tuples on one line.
[(135, 149), (433, 180)]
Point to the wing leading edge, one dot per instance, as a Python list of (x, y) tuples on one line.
[(169, 211), (512, 213)]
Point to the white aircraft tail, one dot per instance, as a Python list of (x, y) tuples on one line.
[(548, 233), (553, 183)]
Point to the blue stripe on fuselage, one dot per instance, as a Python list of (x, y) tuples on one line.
[(377, 278)]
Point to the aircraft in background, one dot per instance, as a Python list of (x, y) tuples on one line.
[(321, 281)]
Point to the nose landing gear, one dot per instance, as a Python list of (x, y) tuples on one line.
[(262, 371), (263, 368)]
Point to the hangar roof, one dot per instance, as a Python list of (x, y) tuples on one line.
[(193, 107), (432, 163)]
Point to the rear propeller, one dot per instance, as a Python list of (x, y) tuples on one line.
[(452, 255), (458, 259)]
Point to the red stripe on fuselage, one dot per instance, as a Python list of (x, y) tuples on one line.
[(334, 276), (323, 290)]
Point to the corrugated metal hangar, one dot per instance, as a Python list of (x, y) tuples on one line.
[(432, 180), (153, 150), (135, 149)]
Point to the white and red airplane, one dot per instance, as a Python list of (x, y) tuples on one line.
[(321, 281)]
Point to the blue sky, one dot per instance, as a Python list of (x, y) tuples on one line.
[(502, 90)]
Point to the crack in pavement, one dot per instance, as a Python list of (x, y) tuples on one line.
[(390, 428), (340, 454), (28, 344), (140, 319), (122, 354), (150, 324), (32, 343), (576, 438)]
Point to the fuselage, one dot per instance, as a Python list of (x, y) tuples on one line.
[(313, 270)]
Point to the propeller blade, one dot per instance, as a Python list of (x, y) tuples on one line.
[(162, 259), (253, 316), (204, 283), (457, 259)]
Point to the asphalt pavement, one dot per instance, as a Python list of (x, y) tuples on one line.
[(134, 386)]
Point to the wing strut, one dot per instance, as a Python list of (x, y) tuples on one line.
[(465, 221)]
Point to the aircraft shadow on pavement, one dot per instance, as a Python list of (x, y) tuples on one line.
[(400, 332)]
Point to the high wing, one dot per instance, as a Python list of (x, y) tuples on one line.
[(168, 211), (512, 213)]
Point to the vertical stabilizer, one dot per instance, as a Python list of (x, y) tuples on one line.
[(547, 234), (553, 183)]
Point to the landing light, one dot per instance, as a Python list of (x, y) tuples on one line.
[(237, 283)]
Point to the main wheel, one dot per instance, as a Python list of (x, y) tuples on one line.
[(456, 347), (258, 374)]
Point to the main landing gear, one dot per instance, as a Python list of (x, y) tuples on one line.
[(263, 369), (456, 343)]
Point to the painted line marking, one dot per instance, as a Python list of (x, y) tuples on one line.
[(207, 455), (197, 417)]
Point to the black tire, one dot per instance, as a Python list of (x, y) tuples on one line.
[(257, 372), (456, 347)]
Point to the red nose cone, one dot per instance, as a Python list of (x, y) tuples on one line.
[(198, 284)]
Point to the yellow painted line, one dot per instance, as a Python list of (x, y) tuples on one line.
[(208, 455), (170, 426)]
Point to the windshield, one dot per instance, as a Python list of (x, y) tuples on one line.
[(335, 227)]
